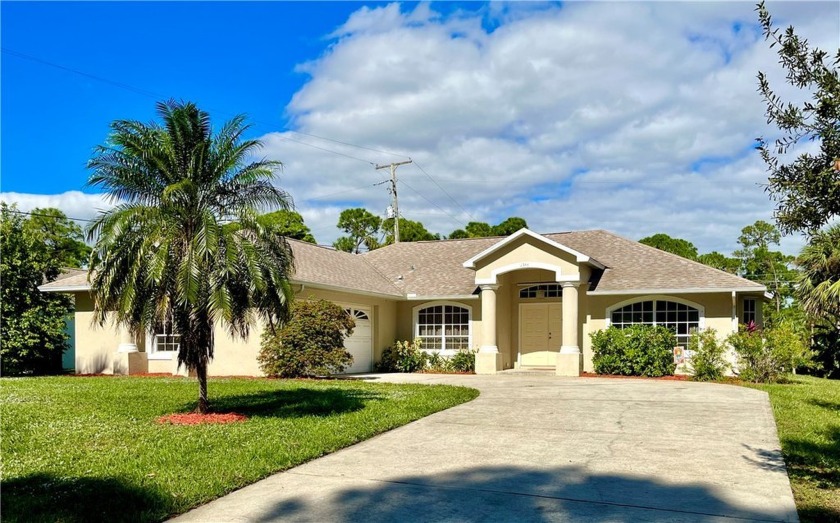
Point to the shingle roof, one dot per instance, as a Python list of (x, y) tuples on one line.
[(434, 268), (325, 266), (68, 279), (635, 266)]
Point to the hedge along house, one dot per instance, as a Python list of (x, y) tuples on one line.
[(523, 301)]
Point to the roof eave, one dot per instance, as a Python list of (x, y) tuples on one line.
[(64, 288), (691, 290)]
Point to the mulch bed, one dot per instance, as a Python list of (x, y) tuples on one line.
[(676, 377), (195, 418)]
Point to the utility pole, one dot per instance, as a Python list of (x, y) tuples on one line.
[(393, 167)]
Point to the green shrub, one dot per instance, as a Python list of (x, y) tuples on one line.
[(765, 356), (463, 361), (437, 363), (708, 361), (639, 350), (310, 344), (403, 356)]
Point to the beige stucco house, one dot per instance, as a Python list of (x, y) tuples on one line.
[(522, 301)]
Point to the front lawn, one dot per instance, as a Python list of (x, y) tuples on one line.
[(807, 412), (89, 448)]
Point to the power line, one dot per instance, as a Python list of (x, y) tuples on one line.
[(458, 221), (444, 190), (27, 213), (158, 96)]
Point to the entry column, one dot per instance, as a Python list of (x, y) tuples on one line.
[(569, 361), (488, 360)]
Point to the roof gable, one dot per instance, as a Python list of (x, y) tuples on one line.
[(579, 256)]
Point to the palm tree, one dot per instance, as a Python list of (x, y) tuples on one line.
[(819, 283), (167, 253)]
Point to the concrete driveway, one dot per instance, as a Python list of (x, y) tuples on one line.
[(541, 448)]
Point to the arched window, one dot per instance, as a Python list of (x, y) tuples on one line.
[(680, 317), (443, 327)]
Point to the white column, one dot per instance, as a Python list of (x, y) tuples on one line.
[(126, 341), (570, 319), (488, 319), (488, 360), (569, 361)]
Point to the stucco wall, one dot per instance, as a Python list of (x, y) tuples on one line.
[(96, 348), (524, 250), (717, 314)]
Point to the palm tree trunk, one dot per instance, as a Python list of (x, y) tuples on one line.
[(201, 373)]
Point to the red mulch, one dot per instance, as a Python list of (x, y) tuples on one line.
[(139, 375), (195, 418), (676, 377)]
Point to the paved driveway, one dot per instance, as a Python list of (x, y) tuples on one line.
[(541, 448)]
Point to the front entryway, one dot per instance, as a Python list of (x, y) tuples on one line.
[(360, 343), (540, 334)]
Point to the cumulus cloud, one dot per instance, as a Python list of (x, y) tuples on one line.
[(74, 204), (636, 117)]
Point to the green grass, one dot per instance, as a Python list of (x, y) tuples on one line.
[(807, 412), (89, 449)]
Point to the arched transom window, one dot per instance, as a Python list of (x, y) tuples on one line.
[(444, 327), (678, 317), (548, 290)]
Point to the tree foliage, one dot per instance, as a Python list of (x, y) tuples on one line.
[(759, 263), (666, 243), (287, 223), (509, 226), (310, 344), (819, 280), (163, 255), (483, 229), (362, 228), (33, 322), (807, 189), (720, 261), (410, 231)]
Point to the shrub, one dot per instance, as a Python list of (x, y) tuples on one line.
[(310, 344), (437, 363), (463, 361), (403, 356), (708, 361), (639, 350), (765, 356)]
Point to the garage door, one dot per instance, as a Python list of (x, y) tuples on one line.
[(360, 344)]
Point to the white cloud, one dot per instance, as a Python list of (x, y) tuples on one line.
[(636, 117), (75, 204)]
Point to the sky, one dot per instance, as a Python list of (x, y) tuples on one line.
[(636, 117)]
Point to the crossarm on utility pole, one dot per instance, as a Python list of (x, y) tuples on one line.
[(393, 167)]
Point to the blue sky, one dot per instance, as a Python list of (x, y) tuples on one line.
[(228, 58), (635, 117)]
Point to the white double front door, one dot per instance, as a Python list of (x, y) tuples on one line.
[(540, 334)]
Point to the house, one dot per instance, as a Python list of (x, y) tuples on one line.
[(524, 301)]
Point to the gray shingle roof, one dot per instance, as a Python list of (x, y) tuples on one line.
[(434, 268)]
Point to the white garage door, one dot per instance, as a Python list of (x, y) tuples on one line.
[(360, 343)]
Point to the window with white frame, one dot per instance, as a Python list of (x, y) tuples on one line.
[(166, 339), (444, 327), (548, 290), (749, 311), (680, 318)]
